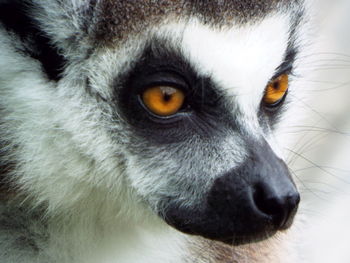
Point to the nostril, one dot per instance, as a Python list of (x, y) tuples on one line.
[(281, 208), (267, 204), (294, 199)]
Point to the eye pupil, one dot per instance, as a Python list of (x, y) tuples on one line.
[(166, 97), (276, 91), (163, 100), (167, 93), (276, 85)]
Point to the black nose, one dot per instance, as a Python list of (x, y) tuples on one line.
[(280, 207), (248, 203)]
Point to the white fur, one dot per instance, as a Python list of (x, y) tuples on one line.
[(241, 60), (90, 184)]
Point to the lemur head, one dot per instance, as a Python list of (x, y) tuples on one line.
[(176, 101)]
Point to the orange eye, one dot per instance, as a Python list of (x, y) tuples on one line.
[(276, 90), (163, 100)]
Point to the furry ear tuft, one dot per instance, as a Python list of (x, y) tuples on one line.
[(18, 19), (68, 23), (51, 32)]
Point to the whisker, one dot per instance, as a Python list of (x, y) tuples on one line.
[(318, 166), (305, 186)]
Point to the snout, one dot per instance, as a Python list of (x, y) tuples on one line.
[(246, 204), (251, 209), (280, 208)]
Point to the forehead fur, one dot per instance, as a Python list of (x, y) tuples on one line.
[(119, 18)]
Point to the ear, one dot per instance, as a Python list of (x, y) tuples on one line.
[(51, 32)]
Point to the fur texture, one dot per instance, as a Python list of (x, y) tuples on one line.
[(85, 178)]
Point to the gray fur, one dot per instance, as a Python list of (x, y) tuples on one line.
[(79, 180), (123, 18)]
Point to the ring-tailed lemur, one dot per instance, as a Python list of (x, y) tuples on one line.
[(143, 131)]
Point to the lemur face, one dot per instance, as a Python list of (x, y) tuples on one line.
[(199, 106), (180, 108)]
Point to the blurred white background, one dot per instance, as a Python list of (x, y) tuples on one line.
[(321, 161)]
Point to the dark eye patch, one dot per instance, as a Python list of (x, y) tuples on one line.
[(202, 113), (270, 116)]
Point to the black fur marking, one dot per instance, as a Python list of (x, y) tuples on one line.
[(269, 117), (203, 113), (7, 163), (16, 18), (246, 204)]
